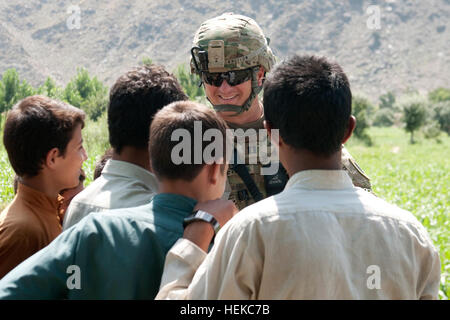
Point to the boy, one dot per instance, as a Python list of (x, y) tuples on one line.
[(45, 148)]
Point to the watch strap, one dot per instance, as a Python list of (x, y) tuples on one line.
[(201, 215)]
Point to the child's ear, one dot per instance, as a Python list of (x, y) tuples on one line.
[(52, 155), (351, 126), (214, 172), (277, 137)]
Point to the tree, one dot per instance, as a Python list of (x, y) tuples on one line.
[(387, 100), (439, 95), (12, 90), (189, 82), (360, 109), (25, 90), (87, 93), (96, 105), (10, 86), (414, 114), (51, 90), (442, 115), (384, 118)]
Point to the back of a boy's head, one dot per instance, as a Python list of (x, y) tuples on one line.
[(187, 117), (309, 100), (33, 127), (100, 164), (134, 99)]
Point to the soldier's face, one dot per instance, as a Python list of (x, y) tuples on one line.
[(226, 94), (232, 95)]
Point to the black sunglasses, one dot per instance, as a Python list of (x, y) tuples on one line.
[(232, 77)]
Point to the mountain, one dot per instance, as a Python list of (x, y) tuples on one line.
[(410, 49)]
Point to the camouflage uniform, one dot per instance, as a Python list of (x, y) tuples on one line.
[(236, 190), (235, 42)]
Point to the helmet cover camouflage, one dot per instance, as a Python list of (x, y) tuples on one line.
[(233, 42)]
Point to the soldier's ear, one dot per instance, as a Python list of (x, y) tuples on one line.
[(261, 76), (350, 127)]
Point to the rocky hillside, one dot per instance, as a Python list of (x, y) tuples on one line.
[(409, 48)]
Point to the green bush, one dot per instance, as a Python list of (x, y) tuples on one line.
[(441, 113), (95, 106), (432, 131), (439, 95), (51, 90), (361, 108), (13, 90), (146, 61), (83, 91), (86, 93), (384, 118), (189, 82), (387, 100)]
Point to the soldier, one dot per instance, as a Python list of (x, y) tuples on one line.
[(231, 55)]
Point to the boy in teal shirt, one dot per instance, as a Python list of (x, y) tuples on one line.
[(119, 254)]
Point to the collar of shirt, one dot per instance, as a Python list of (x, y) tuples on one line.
[(182, 205), (37, 200), (257, 124), (132, 171), (320, 180)]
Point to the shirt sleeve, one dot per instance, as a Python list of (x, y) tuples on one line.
[(44, 274), (181, 263), (428, 281), (231, 270)]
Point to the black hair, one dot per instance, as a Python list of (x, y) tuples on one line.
[(134, 99), (309, 100)]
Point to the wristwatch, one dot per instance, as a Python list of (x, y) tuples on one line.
[(200, 215)]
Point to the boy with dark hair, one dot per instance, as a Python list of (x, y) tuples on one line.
[(127, 179), (119, 254), (45, 148), (100, 164), (320, 238)]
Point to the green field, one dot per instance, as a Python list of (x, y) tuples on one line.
[(414, 177)]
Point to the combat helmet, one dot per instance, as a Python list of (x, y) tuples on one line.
[(231, 42)]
